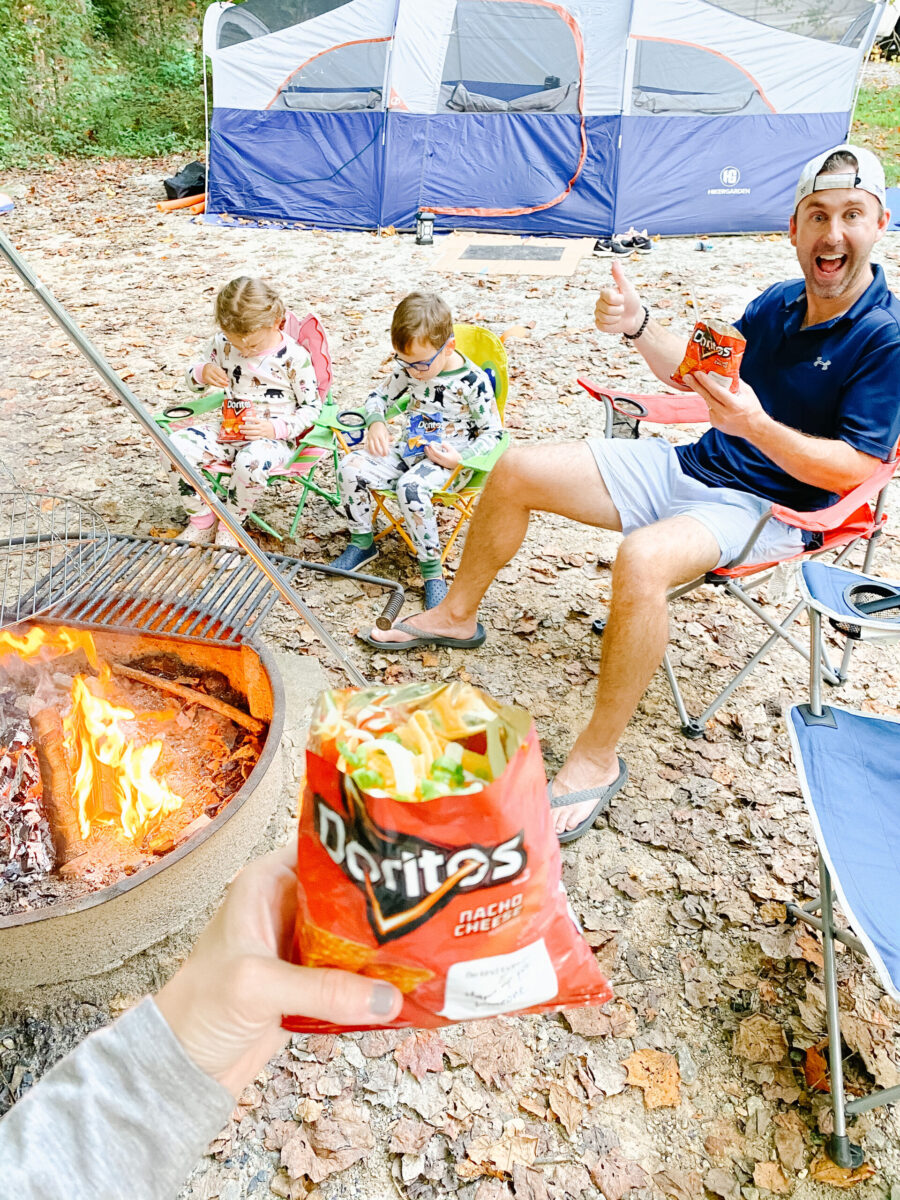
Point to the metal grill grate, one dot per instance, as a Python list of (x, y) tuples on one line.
[(48, 545), (173, 587)]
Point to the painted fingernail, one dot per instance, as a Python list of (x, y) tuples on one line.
[(381, 999)]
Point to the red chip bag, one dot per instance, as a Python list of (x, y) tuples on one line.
[(427, 857), (233, 413), (715, 347)]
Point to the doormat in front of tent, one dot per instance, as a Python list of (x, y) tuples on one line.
[(498, 254)]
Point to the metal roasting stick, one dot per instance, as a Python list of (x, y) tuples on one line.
[(189, 473)]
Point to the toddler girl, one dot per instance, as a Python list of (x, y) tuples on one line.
[(271, 400)]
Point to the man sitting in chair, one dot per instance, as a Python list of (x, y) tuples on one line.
[(817, 408)]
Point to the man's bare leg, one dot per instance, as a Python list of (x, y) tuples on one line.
[(561, 479), (649, 562)]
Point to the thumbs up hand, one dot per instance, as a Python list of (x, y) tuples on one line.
[(618, 308)]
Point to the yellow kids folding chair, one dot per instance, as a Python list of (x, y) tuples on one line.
[(487, 351)]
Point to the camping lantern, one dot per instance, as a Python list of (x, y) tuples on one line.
[(424, 228)]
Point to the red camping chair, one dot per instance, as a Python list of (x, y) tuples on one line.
[(857, 518)]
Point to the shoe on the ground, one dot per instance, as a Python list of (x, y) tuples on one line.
[(226, 539), (435, 591), (355, 557), (196, 536), (636, 239), (610, 246)]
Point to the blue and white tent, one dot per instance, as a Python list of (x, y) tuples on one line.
[(682, 116)]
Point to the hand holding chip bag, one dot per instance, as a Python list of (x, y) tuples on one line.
[(427, 857), (715, 348)]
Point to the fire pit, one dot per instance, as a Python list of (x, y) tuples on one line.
[(127, 874)]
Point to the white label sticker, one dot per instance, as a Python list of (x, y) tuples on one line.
[(501, 983)]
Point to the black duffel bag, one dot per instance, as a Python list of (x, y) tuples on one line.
[(190, 181)]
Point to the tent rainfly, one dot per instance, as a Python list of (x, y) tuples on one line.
[(681, 116)]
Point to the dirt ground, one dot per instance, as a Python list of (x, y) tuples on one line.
[(681, 887)]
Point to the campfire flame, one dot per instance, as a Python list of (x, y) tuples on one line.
[(113, 779), (49, 644)]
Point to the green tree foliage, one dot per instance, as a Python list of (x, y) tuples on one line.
[(99, 77)]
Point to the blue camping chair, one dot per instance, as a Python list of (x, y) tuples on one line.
[(849, 768)]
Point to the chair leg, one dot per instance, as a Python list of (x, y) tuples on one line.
[(844, 1152), (690, 727), (465, 511), (779, 630), (265, 526)]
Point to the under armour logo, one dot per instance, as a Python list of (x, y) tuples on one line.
[(824, 363)]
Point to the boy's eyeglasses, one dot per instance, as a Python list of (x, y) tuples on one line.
[(419, 366)]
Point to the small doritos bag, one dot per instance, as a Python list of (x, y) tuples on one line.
[(427, 857), (715, 347)]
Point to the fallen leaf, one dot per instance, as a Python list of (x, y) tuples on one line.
[(615, 1020), (567, 1108), (492, 1189), (409, 1137), (722, 1183), (529, 1183), (616, 1175), (770, 1175), (680, 1185), (657, 1073), (823, 1170), (421, 1052), (759, 1039), (497, 1052), (772, 912), (790, 1139)]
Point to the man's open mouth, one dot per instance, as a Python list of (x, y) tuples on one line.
[(830, 264)]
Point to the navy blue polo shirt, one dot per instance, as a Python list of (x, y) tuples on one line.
[(838, 380)]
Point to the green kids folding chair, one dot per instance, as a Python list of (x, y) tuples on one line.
[(327, 439)]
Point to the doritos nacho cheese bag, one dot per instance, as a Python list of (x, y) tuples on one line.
[(715, 347), (233, 413), (427, 857)]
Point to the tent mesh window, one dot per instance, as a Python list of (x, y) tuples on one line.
[(347, 78), (843, 22), (256, 18), (672, 80), (511, 57)]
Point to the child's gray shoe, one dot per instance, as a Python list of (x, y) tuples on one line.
[(355, 557), (435, 591)]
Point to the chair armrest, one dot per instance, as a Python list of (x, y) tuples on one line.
[(663, 408), (197, 406), (833, 517), (487, 460)]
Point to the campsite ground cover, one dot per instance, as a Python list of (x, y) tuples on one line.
[(681, 890)]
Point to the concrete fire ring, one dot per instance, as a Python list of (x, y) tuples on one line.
[(102, 930)]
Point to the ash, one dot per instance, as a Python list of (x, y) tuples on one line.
[(26, 848)]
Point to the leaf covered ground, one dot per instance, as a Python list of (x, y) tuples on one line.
[(704, 1076)]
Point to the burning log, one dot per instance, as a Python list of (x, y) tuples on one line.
[(56, 780), (192, 695)]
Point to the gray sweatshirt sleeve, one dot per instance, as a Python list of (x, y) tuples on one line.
[(127, 1112)]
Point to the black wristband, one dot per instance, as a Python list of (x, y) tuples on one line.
[(633, 337)]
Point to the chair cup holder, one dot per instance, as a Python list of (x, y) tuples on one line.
[(878, 600)]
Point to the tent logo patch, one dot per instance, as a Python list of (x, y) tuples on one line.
[(729, 178)]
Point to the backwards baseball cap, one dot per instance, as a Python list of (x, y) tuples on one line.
[(868, 176)]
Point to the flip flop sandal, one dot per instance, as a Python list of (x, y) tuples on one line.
[(601, 796), (421, 638)]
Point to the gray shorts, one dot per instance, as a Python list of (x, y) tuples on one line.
[(646, 483)]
